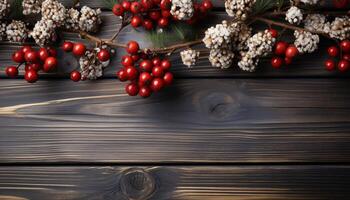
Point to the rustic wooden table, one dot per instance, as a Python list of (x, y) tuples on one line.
[(273, 134)]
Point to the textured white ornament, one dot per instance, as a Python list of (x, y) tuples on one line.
[(294, 15)]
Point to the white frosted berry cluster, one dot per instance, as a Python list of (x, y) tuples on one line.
[(31, 6), (91, 67), (54, 11), (16, 31), (294, 15), (2, 31), (259, 45), (182, 9), (90, 19), (309, 2), (4, 8), (189, 57), (239, 9), (315, 22), (339, 28), (44, 32), (306, 42), (221, 58), (72, 19)]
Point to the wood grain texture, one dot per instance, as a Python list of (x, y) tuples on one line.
[(202, 120), (177, 183)]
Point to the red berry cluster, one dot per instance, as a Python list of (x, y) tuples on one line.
[(284, 54), (152, 13), (343, 54), (79, 49), (147, 74), (34, 61)]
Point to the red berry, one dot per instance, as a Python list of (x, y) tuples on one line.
[(168, 78), (145, 92), (291, 52), (33, 66), (146, 65), (166, 64), (18, 57), (147, 24), (122, 76), (132, 89), (43, 54), (157, 71), (288, 61), (118, 10), (132, 73), (207, 4), (67, 46), (79, 49), (103, 55), (126, 5), (135, 57), (136, 21), (132, 47), (166, 13), (163, 22), (145, 78), (274, 32), (343, 65), (147, 4), (31, 56), (329, 64), (156, 61), (333, 51), (127, 61), (346, 57), (155, 15), (50, 64), (345, 46), (277, 62), (12, 71), (156, 2), (165, 4), (75, 76), (157, 84), (52, 51), (281, 47), (26, 49), (135, 7), (340, 3), (31, 76)]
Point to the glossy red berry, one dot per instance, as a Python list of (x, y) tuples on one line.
[(168, 78), (343, 65), (79, 49), (163, 22), (127, 61), (33, 66), (166, 13), (291, 52), (155, 15), (165, 64), (26, 48), (135, 7), (333, 51), (132, 73), (43, 54), (75, 76), (288, 61), (156, 2), (103, 55), (18, 57), (12, 71), (329, 65), (207, 4), (31, 76), (132, 47), (147, 4), (156, 61), (147, 24), (157, 71), (274, 32), (136, 21), (145, 92), (50, 64), (281, 47), (135, 57), (146, 65), (346, 57), (67, 46), (132, 89), (52, 51), (277, 62), (126, 5), (122, 76), (157, 84), (31, 56), (145, 78), (345, 46), (118, 10), (165, 4)]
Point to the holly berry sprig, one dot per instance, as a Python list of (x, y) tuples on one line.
[(156, 13), (147, 73), (341, 55), (34, 61)]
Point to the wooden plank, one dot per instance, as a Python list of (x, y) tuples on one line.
[(199, 120), (178, 183)]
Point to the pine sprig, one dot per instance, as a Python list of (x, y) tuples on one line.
[(262, 6), (16, 9), (110, 3)]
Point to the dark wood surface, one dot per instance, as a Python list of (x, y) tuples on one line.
[(215, 134)]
